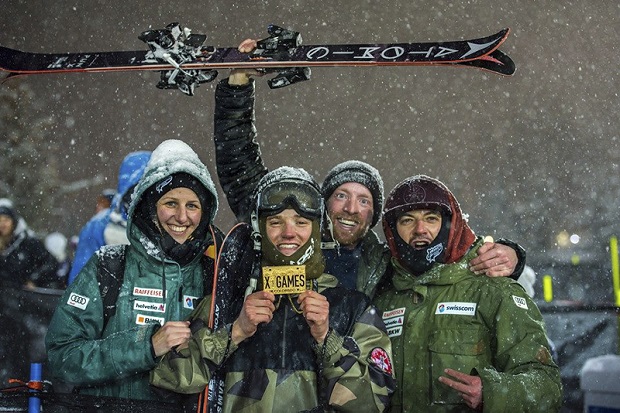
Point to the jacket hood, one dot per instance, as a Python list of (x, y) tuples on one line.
[(129, 174), (20, 226), (172, 156)]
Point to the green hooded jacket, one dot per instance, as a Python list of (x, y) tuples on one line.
[(450, 318), (115, 361)]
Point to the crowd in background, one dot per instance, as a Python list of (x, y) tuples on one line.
[(32, 260)]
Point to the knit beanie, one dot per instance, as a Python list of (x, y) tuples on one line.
[(361, 173), (418, 192), (180, 180)]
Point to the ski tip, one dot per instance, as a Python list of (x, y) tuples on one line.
[(503, 35)]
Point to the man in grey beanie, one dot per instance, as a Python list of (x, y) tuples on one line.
[(353, 191)]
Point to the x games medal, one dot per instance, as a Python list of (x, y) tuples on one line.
[(285, 279)]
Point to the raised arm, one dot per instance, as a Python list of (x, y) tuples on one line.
[(237, 153)]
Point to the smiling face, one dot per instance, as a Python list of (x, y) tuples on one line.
[(179, 213), (419, 227), (350, 209), (288, 231)]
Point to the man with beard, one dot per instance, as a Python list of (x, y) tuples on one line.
[(353, 191)]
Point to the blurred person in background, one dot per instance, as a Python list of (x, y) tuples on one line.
[(107, 227), (56, 244), (21, 226), (24, 260), (104, 200), (25, 264)]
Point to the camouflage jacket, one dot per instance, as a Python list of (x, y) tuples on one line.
[(280, 368)]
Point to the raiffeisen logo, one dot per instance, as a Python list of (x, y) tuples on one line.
[(456, 308)]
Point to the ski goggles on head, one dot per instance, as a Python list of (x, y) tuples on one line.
[(302, 197)]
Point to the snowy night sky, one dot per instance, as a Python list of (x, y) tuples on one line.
[(528, 156)]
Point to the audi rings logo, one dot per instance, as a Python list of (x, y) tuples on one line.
[(78, 301)]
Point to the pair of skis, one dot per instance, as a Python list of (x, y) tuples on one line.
[(185, 63)]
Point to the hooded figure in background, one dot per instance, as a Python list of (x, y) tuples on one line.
[(168, 267), (108, 227), (319, 348), (24, 260), (21, 226), (104, 200), (461, 342)]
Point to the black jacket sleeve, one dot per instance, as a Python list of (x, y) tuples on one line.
[(237, 153)]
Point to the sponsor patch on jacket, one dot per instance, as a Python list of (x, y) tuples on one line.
[(520, 302), (456, 308), (148, 292), (394, 320), (147, 306), (379, 357), (78, 301), (189, 301), (142, 319)]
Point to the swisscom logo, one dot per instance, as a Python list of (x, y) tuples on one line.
[(456, 308)]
